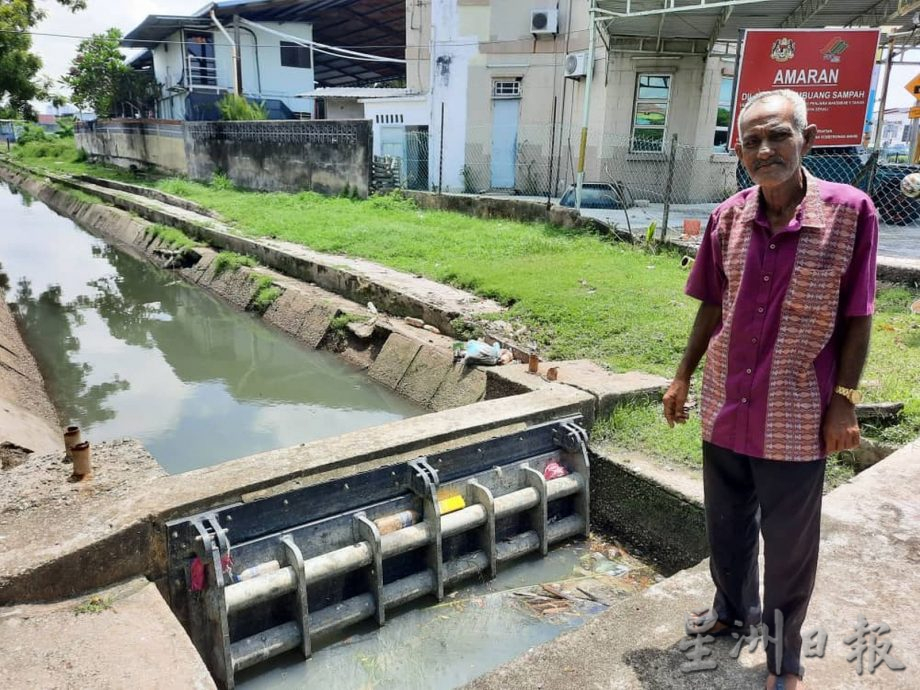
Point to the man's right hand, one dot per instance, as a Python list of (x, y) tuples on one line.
[(675, 401)]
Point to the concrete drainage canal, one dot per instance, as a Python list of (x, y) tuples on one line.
[(451, 550)]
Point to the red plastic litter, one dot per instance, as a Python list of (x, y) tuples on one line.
[(197, 575), (554, 471)]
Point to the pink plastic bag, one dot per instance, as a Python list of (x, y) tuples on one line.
[(554, 471)]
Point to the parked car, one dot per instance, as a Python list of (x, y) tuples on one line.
[(605, 195), (848, 165)]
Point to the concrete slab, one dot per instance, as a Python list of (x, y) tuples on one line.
[(462, 385), (194, 273), (128, 638), (288, 311), (610, 389), (423, 378), (44, 514), (315, 324), (869, 554), (394, 360)]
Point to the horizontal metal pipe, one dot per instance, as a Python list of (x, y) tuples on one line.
[(265, 645), (342, 614), (274, 584)]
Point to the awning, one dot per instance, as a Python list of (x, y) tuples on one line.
[(694, 26), (156, 28)]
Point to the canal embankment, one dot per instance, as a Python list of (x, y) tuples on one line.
[(414, 362), (28, 420)]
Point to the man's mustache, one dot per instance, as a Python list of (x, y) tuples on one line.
[(760, 164)]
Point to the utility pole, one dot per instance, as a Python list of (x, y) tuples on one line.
[(589, 77)]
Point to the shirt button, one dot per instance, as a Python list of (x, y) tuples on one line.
[(760, 310), (754, 340), (744, 400), (772, 246), (766, 278), (748, 371)]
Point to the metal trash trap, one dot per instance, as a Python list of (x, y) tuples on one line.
[(250, 581)]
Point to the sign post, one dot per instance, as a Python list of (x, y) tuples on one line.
[(830, 68)]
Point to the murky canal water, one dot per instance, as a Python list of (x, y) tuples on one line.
[(473, 631), (127, 349)]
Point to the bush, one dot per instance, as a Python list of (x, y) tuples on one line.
[(57, 149), (32, 133), (394, 201), (220, 181), (235, 107)]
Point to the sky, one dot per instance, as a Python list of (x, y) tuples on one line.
[(57, 53)]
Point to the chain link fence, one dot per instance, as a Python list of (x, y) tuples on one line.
[(660, 181)]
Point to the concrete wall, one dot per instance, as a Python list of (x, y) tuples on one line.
[(457, 48), (283, 155), (141, 143)]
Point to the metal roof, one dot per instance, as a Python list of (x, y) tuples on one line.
[(157, 28), (377, 27), (695, 25)]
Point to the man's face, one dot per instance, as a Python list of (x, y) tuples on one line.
[(770, 146)]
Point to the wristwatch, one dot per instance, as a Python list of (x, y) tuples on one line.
[(851, 394)]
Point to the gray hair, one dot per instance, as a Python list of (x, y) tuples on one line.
[(799, 108)]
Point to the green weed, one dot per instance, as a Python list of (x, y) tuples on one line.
[(94, 604), (230, 261), (173, 237), (342, 319), (221, 182), (266, 294)]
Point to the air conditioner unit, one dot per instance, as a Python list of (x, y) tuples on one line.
[(543, 22), (576, 65)]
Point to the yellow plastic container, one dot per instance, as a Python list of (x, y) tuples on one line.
[(451, 504)]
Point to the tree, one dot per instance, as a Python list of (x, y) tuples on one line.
[(96, 73), (58, 101), (18, 65), (137, 94)]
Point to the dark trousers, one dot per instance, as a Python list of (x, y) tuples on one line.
[(745, 495)]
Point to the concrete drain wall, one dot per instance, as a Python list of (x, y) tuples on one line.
[(416, 363)]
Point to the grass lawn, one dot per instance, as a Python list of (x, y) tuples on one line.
[(579, 295)]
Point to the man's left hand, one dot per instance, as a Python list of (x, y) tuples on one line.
[(841, 430)]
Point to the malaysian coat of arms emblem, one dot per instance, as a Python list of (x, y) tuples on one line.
[(783, 49)]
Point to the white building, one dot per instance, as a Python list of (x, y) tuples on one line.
[(192, 57)]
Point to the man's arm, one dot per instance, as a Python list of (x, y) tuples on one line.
[(707, 320), (840, 428)]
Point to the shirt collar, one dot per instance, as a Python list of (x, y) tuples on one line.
[(810, 212)]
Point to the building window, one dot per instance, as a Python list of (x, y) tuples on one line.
[(650, 117), (723, 114), (294, 55), (504, 88)]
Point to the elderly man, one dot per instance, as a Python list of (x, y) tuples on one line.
[(786, 279)]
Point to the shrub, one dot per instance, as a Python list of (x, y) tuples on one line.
[(394, 201), (235, 107), (32, 133), (221, 182)]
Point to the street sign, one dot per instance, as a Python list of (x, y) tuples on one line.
[(830, 68), (913, 87), (914, 112)]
